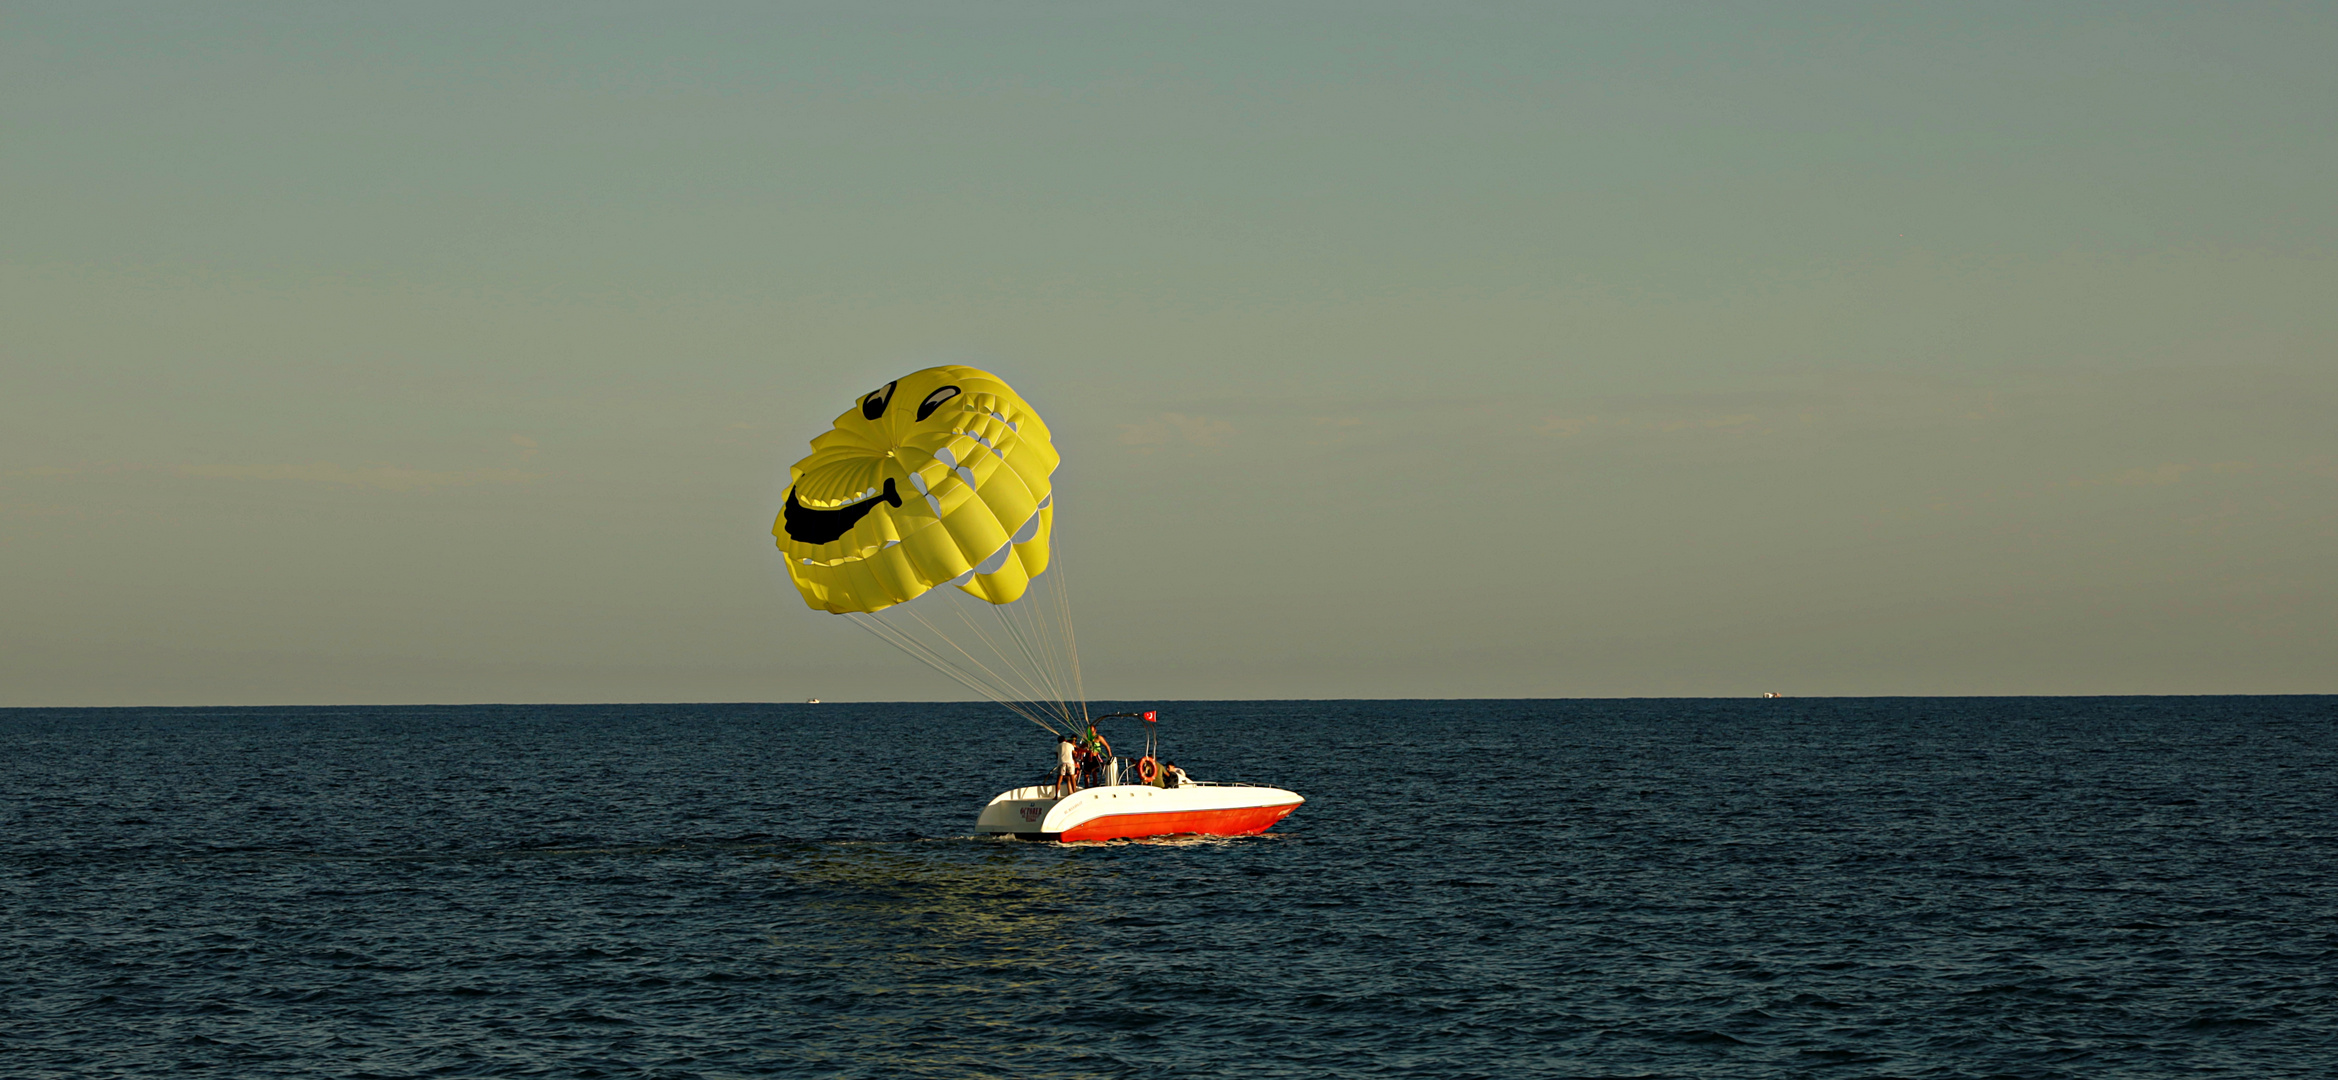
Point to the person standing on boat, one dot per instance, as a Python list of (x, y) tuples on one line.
[(1065, 772), (1091, 757)]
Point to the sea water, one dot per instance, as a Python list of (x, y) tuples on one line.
[(2044, 887)]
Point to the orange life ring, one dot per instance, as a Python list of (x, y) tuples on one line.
[(1148, 770)]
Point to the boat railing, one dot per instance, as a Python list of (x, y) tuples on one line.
[(1123, 774)]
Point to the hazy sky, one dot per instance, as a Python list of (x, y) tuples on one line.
[(441, 353)]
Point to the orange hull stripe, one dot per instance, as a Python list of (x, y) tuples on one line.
[(1241, 821)]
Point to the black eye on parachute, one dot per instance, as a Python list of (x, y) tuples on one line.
[(873, 406), (934, 400)]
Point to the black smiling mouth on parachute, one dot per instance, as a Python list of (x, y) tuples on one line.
[(806, 525)]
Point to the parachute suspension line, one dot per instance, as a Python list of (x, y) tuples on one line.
[(1061, 593), (1028, 676), (1034, 662), (926, 654), (896, 637), (1024, 699), (1048, 642), (1028, 694), (1054, 648)]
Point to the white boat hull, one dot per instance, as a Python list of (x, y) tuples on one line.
[(1123, 811)]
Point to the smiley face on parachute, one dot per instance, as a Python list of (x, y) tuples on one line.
[(938, 477)]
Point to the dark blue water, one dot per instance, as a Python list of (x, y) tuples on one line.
[(1838, 888)]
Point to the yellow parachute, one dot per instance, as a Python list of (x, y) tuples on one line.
[(939, 477)]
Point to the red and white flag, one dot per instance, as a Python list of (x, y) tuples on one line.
[(1152, 717)]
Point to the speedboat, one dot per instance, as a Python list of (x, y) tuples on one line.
[(1098, 795), (1119, 811)]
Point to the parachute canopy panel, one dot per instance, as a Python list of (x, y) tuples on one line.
[(940, 477)]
